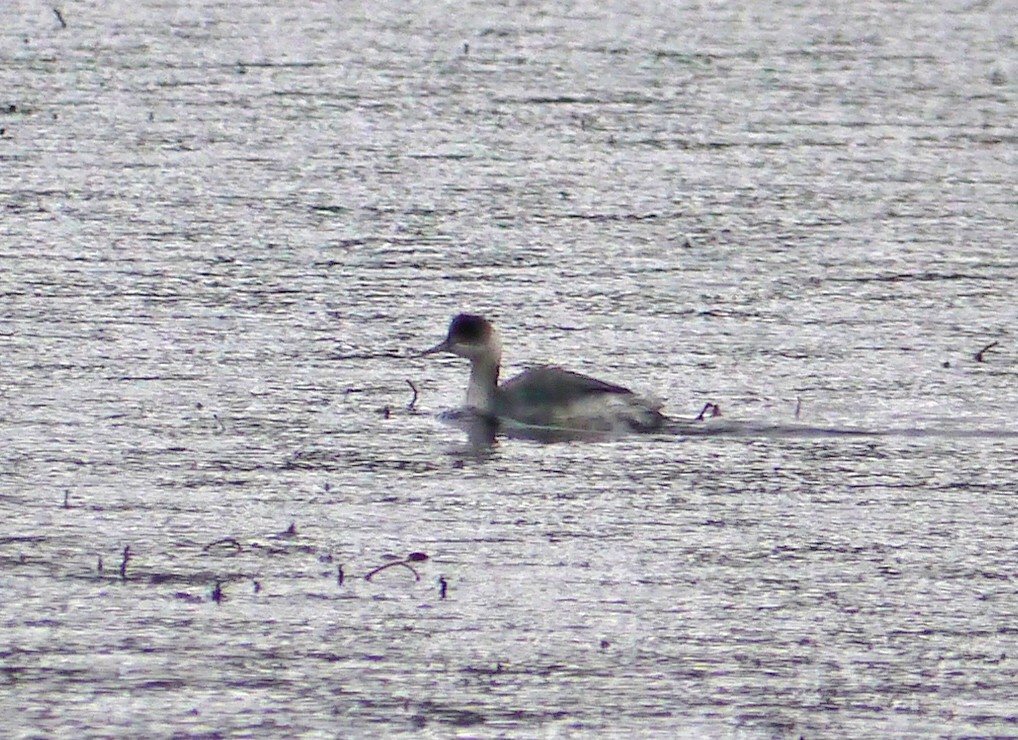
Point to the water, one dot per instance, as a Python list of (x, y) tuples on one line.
[(225, 226)]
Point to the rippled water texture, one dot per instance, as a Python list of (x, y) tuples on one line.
[(223, 227)]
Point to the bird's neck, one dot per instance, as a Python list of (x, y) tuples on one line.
[(483, 382)]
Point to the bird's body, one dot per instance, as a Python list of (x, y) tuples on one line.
[(542, 398)]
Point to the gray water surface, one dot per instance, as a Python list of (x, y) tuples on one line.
[(224, 227)]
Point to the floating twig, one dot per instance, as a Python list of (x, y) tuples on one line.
[(393, 564), (714, 409), (413, 401), (60, 17), (217, 592), (798, 407), (67, 496), (123, 563), (443, 586), (980, 353), (339, 575), (225, 541), (414, 557)]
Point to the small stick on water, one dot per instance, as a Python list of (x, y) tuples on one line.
[(217, 592), (414, 557), (60, 17), (67, 495), (798, 407), (99, 565), (123, 563), (443, 586), (714, 409), (980, 353), (413, 401), (230, 541), (339, 575), (404, 563)]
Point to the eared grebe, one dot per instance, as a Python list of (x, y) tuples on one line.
[(544, 398)]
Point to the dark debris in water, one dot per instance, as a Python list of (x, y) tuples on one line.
[(227, 545), (124, 561), (188, 598), (711, 409), (414, 557), (980, 355)]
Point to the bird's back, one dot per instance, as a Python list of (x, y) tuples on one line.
[(552, 397)]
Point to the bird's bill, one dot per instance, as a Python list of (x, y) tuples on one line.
[(442, 346)]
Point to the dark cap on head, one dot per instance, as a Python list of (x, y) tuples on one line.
[(469, 328)]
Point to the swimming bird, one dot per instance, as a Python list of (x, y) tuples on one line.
[(542, 398)]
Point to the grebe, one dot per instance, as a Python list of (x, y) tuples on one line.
[(542, 398)]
